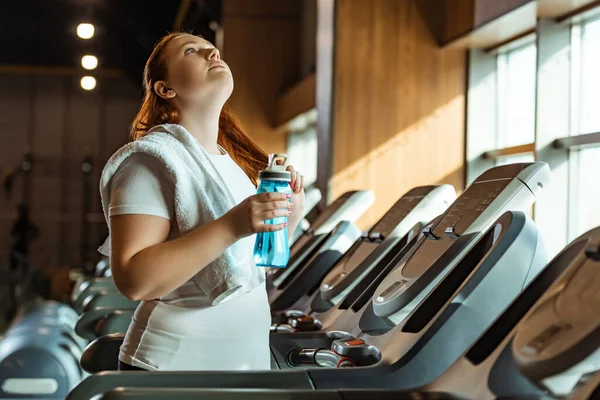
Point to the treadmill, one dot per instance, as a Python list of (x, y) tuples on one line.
[(410, 358), (495, 191), (340, 215), (487, 370), (294, 280), (403, 221), (480, 267), (441, 287), (557, 344)]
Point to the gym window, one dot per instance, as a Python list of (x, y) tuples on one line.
[(535, 98), (584, 153)]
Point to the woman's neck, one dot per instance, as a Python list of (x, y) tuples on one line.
[(204, 126)]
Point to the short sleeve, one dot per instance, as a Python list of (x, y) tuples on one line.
[(141, 186)]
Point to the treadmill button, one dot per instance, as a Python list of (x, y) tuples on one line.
[(375, 236), (354, 342), (451, 233), (391, 291), (428, 232)]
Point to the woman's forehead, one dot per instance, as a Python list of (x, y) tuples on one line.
[(186, 37)]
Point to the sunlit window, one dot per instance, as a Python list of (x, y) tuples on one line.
[(590, 77), (516, 96), (584, 191), (302, 145)]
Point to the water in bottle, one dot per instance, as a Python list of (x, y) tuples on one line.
[(272, 248)]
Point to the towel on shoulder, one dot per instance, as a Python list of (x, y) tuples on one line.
[(201, 196)]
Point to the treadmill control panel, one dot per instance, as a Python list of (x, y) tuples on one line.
[(392, 218), (401, 286), (465, 210), (469, 206)]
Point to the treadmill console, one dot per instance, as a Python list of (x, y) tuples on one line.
[(495, 191), (400, 210), (417, 205)]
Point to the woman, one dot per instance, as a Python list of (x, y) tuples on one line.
[(179, 325)]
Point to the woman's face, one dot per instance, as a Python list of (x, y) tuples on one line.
[(196, 73)]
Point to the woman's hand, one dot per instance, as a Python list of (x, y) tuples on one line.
[(297, 199), (250, 215)]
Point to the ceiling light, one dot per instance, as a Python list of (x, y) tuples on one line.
[(85, 31), (89, 62), (88, 82)]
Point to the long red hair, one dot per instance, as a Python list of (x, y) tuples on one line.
[(155, 111)]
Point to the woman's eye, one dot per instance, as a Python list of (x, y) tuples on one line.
[(189, 51)]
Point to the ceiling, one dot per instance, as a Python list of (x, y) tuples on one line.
[(43, 32)]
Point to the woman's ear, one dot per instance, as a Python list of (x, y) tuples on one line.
[(161, 89)]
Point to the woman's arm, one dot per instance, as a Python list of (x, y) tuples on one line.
[(146, 267)]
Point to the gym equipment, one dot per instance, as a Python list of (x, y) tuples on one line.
[(487, 370), (482, 273), (441, 323), (270, 394), (89, 286), (403, 221), (295, 280), (496, 190), (39, 355), (491, 268), (108, 299), (348, 207), (103, 321), (589, 390), (334, 225), (558, 342)]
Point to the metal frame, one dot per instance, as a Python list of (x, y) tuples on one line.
[(509, 151), (578, 142)]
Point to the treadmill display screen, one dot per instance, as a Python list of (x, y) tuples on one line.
[(470, 205), (397, 213)]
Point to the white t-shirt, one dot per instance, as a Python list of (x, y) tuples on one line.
[(181, 331)]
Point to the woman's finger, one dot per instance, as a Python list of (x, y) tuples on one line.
[(270, 214), (271, 196), (272, 227), (292, 171), (274, 205)]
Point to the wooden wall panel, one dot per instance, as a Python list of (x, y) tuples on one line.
[(261, 42), (449, 20), (399, 104)]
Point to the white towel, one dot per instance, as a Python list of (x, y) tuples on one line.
[(201, 196)]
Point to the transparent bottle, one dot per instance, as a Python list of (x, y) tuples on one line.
[(272, 248)]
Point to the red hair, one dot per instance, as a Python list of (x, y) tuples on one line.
[(156, 111)]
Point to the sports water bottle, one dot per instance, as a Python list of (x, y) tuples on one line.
[(272, 248)]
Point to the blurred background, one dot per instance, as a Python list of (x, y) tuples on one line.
[(362, 94)]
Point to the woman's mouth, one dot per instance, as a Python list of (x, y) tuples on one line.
[(217, 65)]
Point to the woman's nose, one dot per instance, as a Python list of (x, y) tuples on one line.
[(214, 54)]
